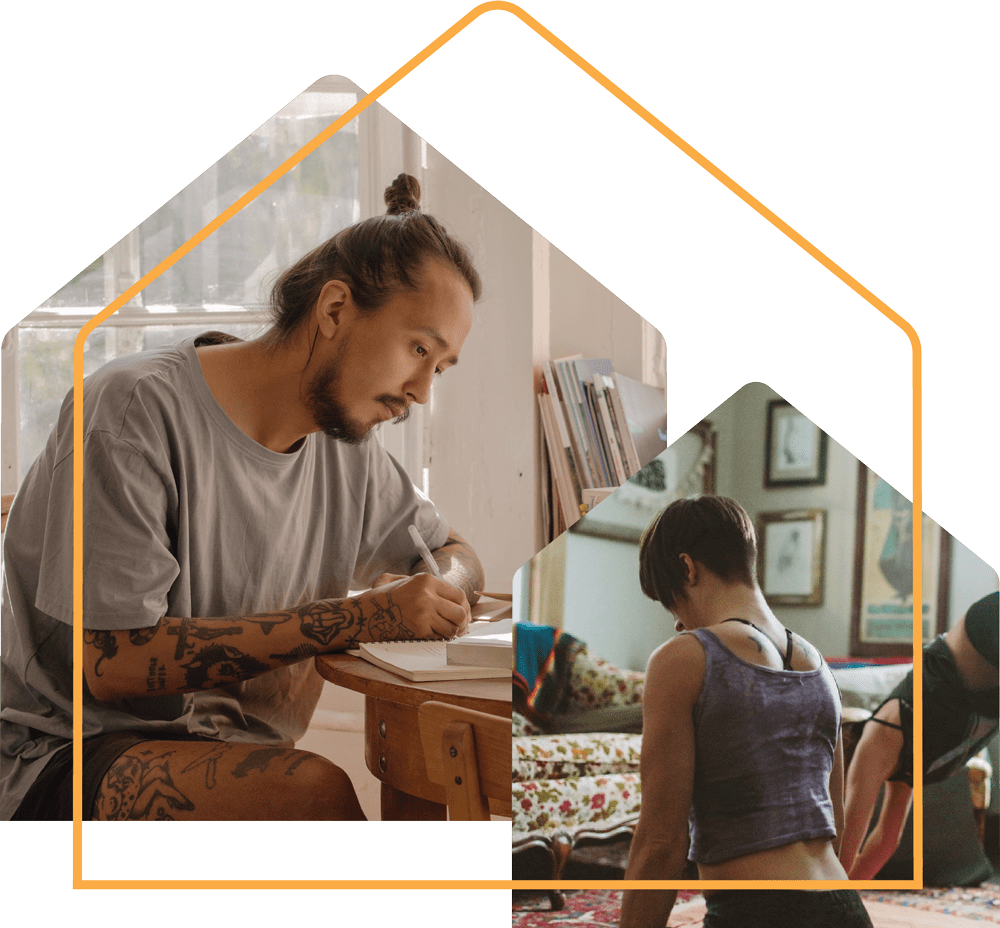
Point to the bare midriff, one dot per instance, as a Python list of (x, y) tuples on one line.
[(802, 860)]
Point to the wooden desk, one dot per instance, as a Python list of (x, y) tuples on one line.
[(393, 751)]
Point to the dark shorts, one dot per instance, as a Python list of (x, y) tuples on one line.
[(786, 908), (50, 797)]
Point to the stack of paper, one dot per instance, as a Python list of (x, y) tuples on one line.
[(488, 646)]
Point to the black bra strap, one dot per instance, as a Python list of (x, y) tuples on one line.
[(883, 722), (786, 661)]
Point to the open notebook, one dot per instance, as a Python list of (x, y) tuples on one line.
[(423, 661)]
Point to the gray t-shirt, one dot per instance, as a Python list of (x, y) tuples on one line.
[(184, 515)]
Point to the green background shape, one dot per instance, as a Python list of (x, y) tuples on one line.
[(867, 130)]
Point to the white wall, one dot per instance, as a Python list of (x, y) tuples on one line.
[(604, 605), (588, 319), (483, 439)]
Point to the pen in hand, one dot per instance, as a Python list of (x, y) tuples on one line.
[(425, 553)]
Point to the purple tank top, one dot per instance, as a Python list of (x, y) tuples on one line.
[(764, 747)]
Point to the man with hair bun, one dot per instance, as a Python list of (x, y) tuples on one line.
[(232, 498)]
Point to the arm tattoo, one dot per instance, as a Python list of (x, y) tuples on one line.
[(325, 620), (299, 653), (195, 630), (386, 623), (141, 636), (216, 664), (105, 642), (268, 620), (459, 564), (156, 676)]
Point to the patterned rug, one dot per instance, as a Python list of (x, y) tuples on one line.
[(599, 908)]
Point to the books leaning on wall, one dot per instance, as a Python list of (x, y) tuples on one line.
[(600, 428)]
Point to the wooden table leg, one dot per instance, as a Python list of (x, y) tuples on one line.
[(399, 806)]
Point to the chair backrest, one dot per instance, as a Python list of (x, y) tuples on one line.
[(5, 502), (468, 753)]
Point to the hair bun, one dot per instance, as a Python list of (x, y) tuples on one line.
[(402, 195)]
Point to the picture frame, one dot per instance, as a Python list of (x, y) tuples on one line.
[(795, 454), (882, 606), (791, 550)]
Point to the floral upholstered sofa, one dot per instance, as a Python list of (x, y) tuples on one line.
[(575, 771)]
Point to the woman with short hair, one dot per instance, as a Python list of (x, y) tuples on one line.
[(742, 763)]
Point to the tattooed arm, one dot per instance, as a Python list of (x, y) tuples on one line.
[(179, 655), (458, 563), (459, 566)]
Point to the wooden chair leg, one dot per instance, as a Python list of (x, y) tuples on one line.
[(562, 845)]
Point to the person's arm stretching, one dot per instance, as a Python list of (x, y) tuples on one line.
[(884, 839), (179, 655), (874, 760), (659, 848)]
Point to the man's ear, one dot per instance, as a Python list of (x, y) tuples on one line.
[(333, 307)]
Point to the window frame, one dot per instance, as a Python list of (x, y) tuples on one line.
[(383, 145)]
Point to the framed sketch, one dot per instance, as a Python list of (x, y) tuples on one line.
[(686, 468), (790, 550), (882, 612), (796, 448)]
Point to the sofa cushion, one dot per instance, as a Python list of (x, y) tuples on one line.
[(548, 757), (546, 808)]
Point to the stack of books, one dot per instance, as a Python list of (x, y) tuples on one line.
[(600, 429), (486, 651)]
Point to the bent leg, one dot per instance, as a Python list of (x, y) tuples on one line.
[(196, 780)]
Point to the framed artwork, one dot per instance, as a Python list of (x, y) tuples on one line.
[(882, 614), (790, 556), (796, 448), (686, 468)]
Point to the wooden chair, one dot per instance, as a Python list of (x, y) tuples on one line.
[(468, 753)]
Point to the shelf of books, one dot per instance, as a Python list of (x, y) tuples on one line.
[(600, 428)]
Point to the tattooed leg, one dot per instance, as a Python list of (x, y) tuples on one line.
[(164, 780)]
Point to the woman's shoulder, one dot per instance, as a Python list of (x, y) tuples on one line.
[(677, 663)]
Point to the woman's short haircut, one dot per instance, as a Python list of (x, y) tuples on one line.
[(713, 530), (377, 258)]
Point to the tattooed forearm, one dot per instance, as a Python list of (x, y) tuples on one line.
[(460, 566), (194, 628), (141, 636), (104, 642), (386, 623), (326, 620), (220, 663), (156, 676), (192, 653), (297, 654)]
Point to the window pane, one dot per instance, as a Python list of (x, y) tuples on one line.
[(234, 266)]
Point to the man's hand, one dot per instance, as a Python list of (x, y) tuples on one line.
[(425, 606)]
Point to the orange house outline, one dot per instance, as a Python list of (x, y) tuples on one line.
[(80, 883)]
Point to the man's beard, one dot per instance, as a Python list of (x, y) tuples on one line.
[(331, 416)]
